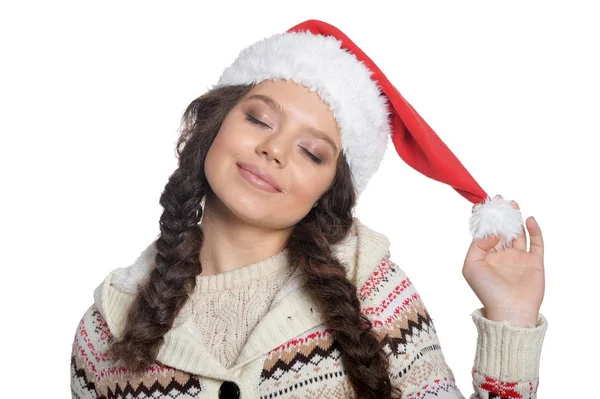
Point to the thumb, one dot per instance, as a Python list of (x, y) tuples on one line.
[(488, 242), (480, 247)]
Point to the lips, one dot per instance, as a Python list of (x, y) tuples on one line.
[(262, 174)]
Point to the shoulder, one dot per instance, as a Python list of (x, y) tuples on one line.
[(384, 289), (379, 280), (88, 354), (391, 302), (95, 374), (92, 339), (361, 251), (388, 289), (400, 319)]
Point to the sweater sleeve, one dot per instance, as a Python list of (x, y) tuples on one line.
[(506, 360), (84, 357)]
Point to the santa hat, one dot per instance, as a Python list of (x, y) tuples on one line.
[(368, 109)]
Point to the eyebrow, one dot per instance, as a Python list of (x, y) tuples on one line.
[(279, 109)]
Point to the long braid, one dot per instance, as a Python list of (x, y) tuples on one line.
[(365, 362), (177, 261)]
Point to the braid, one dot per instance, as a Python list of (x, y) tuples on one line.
[(310, 247), (177, 262)]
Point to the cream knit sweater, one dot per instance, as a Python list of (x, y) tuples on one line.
[(226, 307), (291, 352)]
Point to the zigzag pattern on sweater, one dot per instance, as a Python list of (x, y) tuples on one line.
[(174, 389), (399, 319), (317, 345), (80, 382), (309, 365), (188, 388), (93, 371)]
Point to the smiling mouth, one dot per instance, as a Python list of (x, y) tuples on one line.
[(256, 181)]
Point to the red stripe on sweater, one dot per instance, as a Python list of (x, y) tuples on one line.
[(96, 360), (303, 340), (375, 278), (434, 388), (398, 310), (398, 290)]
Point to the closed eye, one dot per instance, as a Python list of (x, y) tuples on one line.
[(256, 121), (260, 123), (314, 158)]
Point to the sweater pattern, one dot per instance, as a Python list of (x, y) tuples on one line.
[(293, 354)]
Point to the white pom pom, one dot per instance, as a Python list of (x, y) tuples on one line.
[(496, 216)]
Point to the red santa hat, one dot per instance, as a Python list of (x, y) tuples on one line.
[(368, 110)]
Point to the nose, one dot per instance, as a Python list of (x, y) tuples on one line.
[(276, 147)]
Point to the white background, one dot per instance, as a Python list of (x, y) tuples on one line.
[(91, 96)]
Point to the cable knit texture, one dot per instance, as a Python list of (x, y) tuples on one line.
[(259, 329), (225, 307)]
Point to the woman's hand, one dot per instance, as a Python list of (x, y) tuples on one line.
[(510, 282)]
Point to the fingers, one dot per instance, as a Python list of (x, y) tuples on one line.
[(520, 242), (479, 248), (535, 237)]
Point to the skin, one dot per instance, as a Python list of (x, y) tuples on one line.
[(242, 223), (509, 283)]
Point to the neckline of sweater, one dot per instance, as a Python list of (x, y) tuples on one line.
[(243, 275)]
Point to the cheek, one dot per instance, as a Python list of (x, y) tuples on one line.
[(227, 144), (218, 155), (227, 141), (307, 187)]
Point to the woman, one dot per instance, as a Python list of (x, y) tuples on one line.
[(262, 284)]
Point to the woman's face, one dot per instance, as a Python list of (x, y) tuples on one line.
[(284, 143)]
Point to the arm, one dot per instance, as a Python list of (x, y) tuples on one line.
[(510, 285), (82, 357), (505, 355)]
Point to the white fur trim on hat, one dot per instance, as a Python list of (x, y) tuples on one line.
[(319, 63)]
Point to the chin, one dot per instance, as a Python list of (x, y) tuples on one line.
[(242, 204)]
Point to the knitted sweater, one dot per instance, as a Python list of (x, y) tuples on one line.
[(226, 307), (291, 353)]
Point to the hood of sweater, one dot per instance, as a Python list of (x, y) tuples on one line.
[(291, 313)]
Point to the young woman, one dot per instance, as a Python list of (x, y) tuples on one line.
[(262, 284)]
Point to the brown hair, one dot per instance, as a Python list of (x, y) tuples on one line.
[(177, 261)]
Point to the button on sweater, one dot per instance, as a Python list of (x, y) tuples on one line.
[(290, 352)]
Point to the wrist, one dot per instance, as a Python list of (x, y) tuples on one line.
[(517, 318)]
